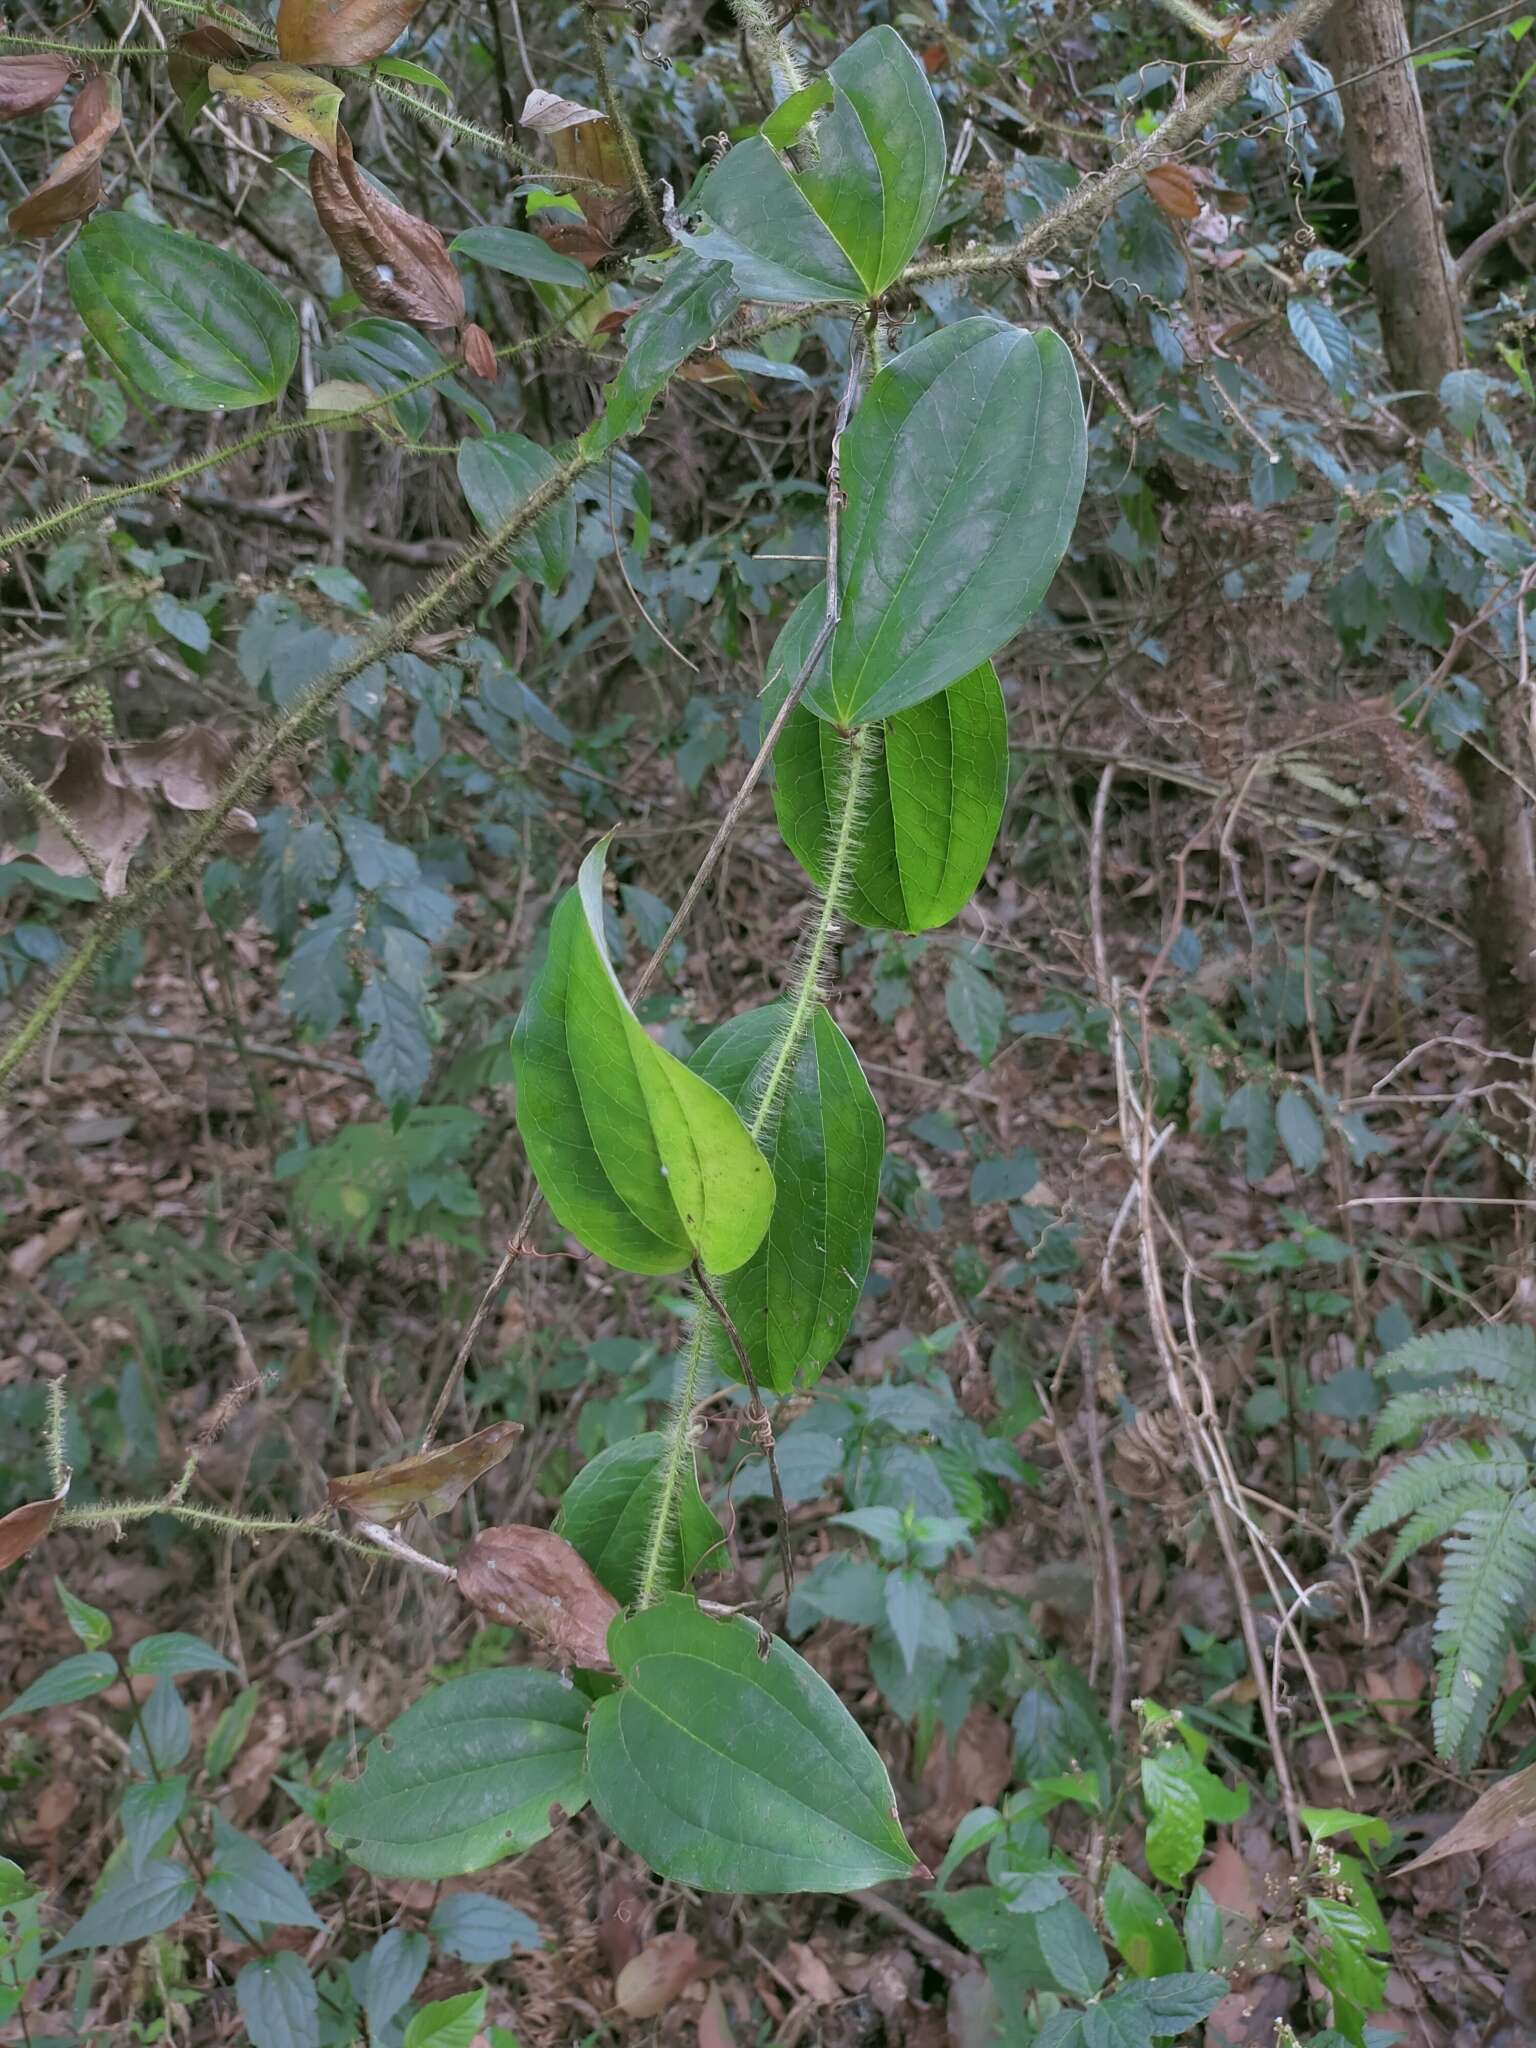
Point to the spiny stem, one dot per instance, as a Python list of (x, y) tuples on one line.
[(96, 53), (20, 783), (104, 1513), (677, 1450), (622, 128), (58, 1464), (772, 46), (757, 1421)]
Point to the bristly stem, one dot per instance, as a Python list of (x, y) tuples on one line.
[(679, 1448), (758, 1422), (58, 1462), (620, 123), (20, 783)]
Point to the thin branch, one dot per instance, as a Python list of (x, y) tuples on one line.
[(1471, 258), (154, 1034)]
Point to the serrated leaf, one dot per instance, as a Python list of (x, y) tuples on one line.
[(793, 1300), (76, 1678), (449, 2023), (248, 1884), (606, 1512), (167, 1656), (693, 303), (1300, 1131), (467, 1776), (397, 1056), (397, 1962), (131, 1909), (1176, 1828), (147, 1813), (1139, 1923), (278, 2002), (89, 1624), (185, 321), (479, 1929), (975, 1008), (734, 1771), (1322, 337), (666, 1171)]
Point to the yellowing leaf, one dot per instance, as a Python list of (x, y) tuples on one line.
[(340, 31), (432, 1481), (300, 102)]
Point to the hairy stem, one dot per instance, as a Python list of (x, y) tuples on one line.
[(674, 1457), (620, 121), (757, 1421), (58, 1464), (104, 1513), (771, 46)]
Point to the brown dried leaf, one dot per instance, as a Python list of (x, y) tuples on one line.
[(30, 1257), (1173, 189), (715, 2022), (1231, 1884), (811, 1974), (111, 818), (479, 353), (546, 113), (533, 1579), (299, 102), (186, 765), (398, 265), (340, 31), (189, 60), (30, 83), (722, 376), (73, 187), (661, 1972), (585, 145), (433, 1481), (1493, 1816), (25, 1527)]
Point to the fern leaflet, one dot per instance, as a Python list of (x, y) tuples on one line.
[(1485, 1586)]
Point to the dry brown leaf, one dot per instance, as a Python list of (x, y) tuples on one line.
[(546, 113), (479, 353), (1231, 1884), (25, 1527), (1173, 190), (30, 1257), (620, 1915), (191, 56), (186, 765), (812, 1975), (432, 1481), (1491, 1817), (585, 145), (398, 265), (30, 83), (73, 187), (299, 102), (661, 1972), (109, 817), (715, 2022), (340, 31), (720, 375), (533, 1579)]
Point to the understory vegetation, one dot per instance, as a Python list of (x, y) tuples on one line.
[(767, 1025)]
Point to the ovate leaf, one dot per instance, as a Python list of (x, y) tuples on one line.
[(25, 1527), (934, 792), (132, 1908), (76, 1678), (497, 473), (693, 303), (465, 1777), (278, 2002), (250, 1885), (735, 1771), (963, 468), (607, 1509), (648, 1165), (793, 1300), (185, 321), (432, 1481), (299, 102), (340, 31), (519, 255)]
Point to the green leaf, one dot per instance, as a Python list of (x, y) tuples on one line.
[(466, 1777), (1139, 1924), (605, 1514), (648, 1165), (91, 1626), (167, 1656), (1250, 1110), (1300, 1131), (735, 1771), (1322, 337), (162, 1732), (132, 1908), (183, 622), (397, 1055), (934, 793), (479, 1929), (497, 473), (229, 1733), (185, 321), (519, 255), (845, 226), (1323, 1822), (917, 1618), (450, 2023), (279, 2003), (693, 304), (147, 1813), (975, 1007), (397, 1962), (1176, 1829), (793, 1300), (963, 468), (249, 1884), (418, 74), (76, 1678)]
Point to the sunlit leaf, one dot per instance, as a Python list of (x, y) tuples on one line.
[(299, 102), (607, 1510)]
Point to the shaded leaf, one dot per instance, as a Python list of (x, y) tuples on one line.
[(497, 472), (31, 82), (585, 145), (249, 1884), (607, 1509), (532, 1579), (518, 254), (132, 1908), (340, 31), (72, 189), (299, 102), (696, 299), (278, 2002), (76, 1678), (432, 1481), (189, 59), (397, 1963), (397, 264), (479, 1929), (166, 1656)]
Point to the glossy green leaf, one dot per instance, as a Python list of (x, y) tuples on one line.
[(793, 1300), (185, 321), (963, 469), (845, 225), (90, 1625), (132, 1908), (735, 1771), (76, 1678), (648, 1165), (447, 2023), (465, 1777), (278, 2002), (496, 474), (605, 1514), (693, 304), (519, 255), (935, 791), (1139, 1923), (167, 1656), (413, 74)]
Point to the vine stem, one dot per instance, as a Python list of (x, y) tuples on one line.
[(678, 1448), (103, 1513), (622, 127), (758, 1421)]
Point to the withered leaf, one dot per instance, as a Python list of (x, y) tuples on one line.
[(72, 189), (299, 102), (479, 353), (191, 56), (1173, 190), (1492, 1816), (431, 1481), (398, 265), (585, 145), (546, 112), (662, 1971), (340, 31), (107, 814), (186, 765), (25, 1527), (533, 1579), (30, 83)]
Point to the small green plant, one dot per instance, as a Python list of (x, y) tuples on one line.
[(1471, 1492)]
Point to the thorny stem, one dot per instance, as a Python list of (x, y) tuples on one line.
[(104, 1513), (613, 108), (20, 783), (58, 1464), (757, 1421), (679, 1448)]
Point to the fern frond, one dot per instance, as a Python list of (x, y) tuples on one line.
[(1429, 1524), (1405, 1415), (1502, 1352), (1486, 1585), (1423, 1481)]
